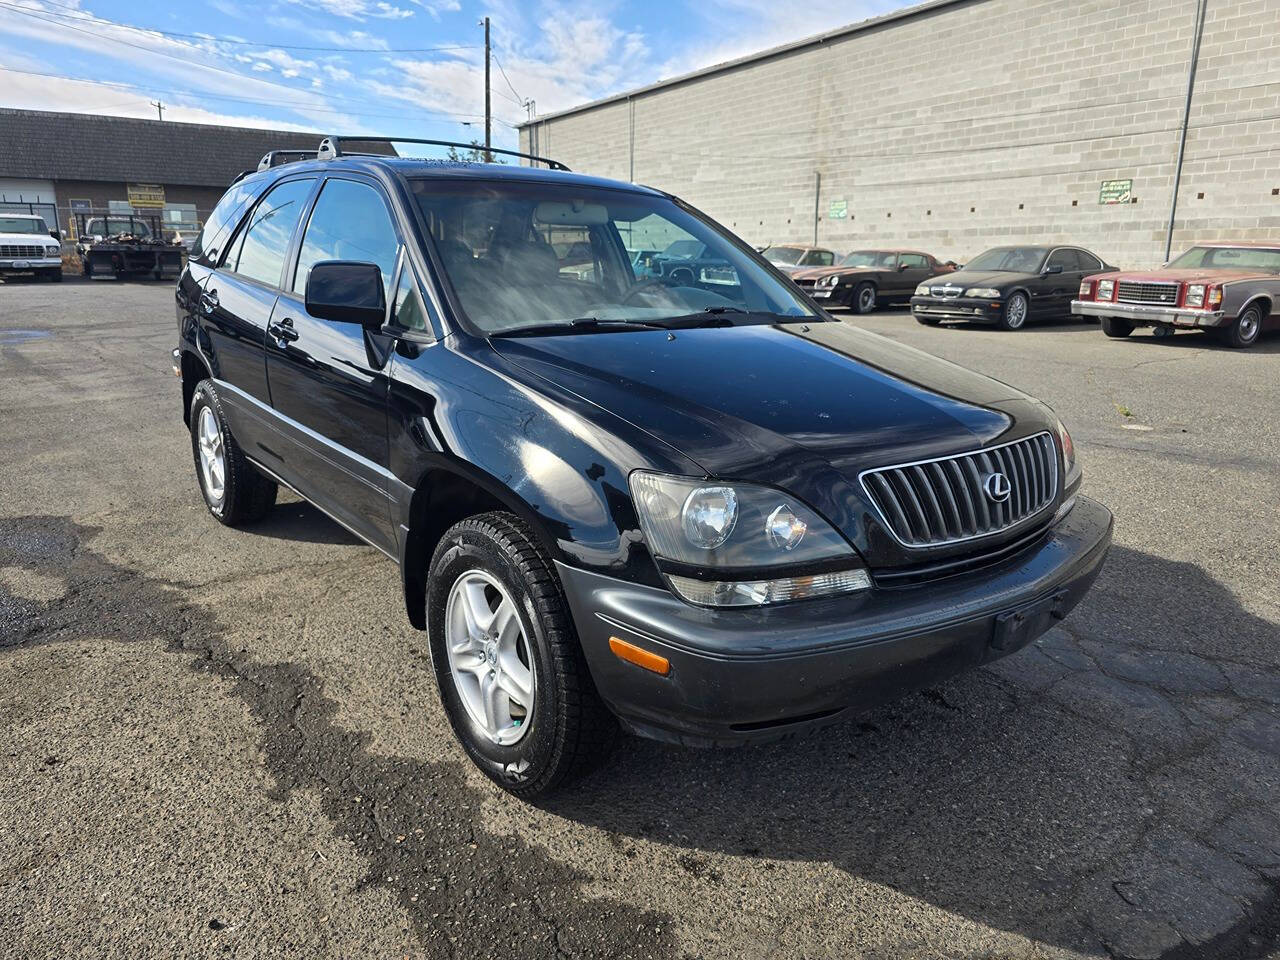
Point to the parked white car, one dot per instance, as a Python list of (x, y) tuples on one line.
[(27, 245)]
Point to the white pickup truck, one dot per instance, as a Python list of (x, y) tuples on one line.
[(27, 245)]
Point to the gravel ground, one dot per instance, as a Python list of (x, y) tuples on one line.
[(228, 742)]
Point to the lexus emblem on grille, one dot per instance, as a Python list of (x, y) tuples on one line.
[(997, 487)]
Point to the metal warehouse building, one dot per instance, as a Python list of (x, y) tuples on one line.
[(61, 164), (960, 124)]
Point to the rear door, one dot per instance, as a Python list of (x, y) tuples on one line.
[(329, 383), (236, 304)]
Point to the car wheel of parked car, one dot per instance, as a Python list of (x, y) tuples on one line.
[(511, 673), (1244, 332), (864, 298), (233, 490), (1015, 312), (1116, 327)]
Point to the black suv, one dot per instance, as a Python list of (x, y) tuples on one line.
[(708, 513)]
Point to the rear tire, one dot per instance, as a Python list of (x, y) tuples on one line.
[(1016, 311), (1116, 328), (567, 729), (233, 490), (1244, 332), (864, 298)]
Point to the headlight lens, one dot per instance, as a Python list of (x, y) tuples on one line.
[(52, 251), (922, 290), (702, 528), (1068, 455), (830, 281), (1195, 295), (1105, 289), (1086, 289), (984, 292)]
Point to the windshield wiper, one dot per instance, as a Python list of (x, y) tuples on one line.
[(579, 325), (728, 316)]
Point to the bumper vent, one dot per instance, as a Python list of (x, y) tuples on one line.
[(952, 499), (1163, 293)]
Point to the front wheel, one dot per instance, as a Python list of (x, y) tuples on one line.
[(512, 677), (1244, 331), (864, 298), (1116, 328), (1014, 315), (233, 490)]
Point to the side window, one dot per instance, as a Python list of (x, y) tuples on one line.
[(350, 222), (812, 258), (409, 311), (1088, 262), (913, 260), (1066, 259), (222, 221), (260, 251), (826, 258)]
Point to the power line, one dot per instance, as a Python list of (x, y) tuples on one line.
[(90, 18), (519, 99)]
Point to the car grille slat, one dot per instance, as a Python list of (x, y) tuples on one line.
[(942, 501), (1131, 291), (21, 250)]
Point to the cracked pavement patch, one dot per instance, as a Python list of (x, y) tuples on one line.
[(229, 741)]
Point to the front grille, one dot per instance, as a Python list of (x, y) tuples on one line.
[(937, 502), (805, 283), (1129, 291), (21, 250), (947, 291)]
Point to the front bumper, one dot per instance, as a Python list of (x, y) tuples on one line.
[(1140, 314), (959, 308), (27, 264), (738, 676), (837, 294)]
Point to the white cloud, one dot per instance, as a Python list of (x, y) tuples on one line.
[(357, 9)]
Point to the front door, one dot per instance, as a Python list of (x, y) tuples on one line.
[(1063, 287), (329, 380), (913, 270)]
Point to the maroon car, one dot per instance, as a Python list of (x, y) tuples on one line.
[(867, 278), (1231, 290)]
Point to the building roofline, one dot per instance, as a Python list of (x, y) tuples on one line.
[(795, 46)]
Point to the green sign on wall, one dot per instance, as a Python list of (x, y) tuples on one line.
[(1115, 191), (838, 210)]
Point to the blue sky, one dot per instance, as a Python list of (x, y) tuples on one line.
[(413, 67)]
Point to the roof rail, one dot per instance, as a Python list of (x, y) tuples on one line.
[(331, 148), (269, 159)]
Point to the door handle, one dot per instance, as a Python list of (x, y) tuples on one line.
[(283, 331), (209, 300)]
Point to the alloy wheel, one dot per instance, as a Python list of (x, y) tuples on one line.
[(490, 657), (213, 456), (1016, 314)]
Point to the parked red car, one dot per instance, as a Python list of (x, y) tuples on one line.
[(1231, 290)]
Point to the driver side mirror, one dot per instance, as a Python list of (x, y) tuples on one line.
[(1053, 268), (347, 291), (904, 266)]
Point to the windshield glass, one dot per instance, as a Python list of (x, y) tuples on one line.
[(870, 258), (22, 225), (787, 255), (117, 225), (1011, 259), (525, 255), (1229, 258)]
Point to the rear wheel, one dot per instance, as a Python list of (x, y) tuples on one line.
[(1244, 331), (1016, 310), (233, 490), (1116, 328), (864, 298), (512, 677)]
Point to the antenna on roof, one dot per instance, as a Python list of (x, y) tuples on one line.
[(331, 148)]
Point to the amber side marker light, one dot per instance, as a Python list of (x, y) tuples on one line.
[(639, 656)]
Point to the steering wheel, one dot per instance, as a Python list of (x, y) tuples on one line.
[(639, 288)]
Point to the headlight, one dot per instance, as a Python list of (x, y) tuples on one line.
[(1195, 295), (1105, 289), (1069, 460), (1086, 289), (922, 290), (708, 537), (985, 293), (52, 251), (830, 281)]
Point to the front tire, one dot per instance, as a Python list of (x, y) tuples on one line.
[(1244, 332), (864, 298), (512, 677), (1016, 310), (233, 490), (1116, 328)]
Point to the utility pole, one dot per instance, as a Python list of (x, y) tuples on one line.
[(159, 105), (488, 115)]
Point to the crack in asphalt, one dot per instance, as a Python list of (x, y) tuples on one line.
[(414, 822)]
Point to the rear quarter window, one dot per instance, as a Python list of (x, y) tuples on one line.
[(222, 221)]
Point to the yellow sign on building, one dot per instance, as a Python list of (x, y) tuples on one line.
[(146, 195)]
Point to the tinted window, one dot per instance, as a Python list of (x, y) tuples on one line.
[(1066, 259), (408, 311), (912, 260), (1088, 261), (350, 222), (223, 220), (265, 240)]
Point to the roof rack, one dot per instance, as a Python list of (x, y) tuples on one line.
[(331, 148), (272, 157)]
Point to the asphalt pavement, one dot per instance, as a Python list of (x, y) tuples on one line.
[(220, 742)]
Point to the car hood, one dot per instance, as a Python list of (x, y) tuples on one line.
[(981, 278), (813, 273), (27, 239), (1190, 275), (802, 409)]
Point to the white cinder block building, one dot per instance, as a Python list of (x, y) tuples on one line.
[(960, 124)]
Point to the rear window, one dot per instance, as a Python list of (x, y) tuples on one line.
[(223, 219)]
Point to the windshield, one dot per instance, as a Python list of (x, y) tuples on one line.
[(117, 225), (787, 255), (534, 255), (22, 225), (870, 258), (1010, 259), (1229, 258)]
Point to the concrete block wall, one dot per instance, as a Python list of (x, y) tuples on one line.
[(970, 125)]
